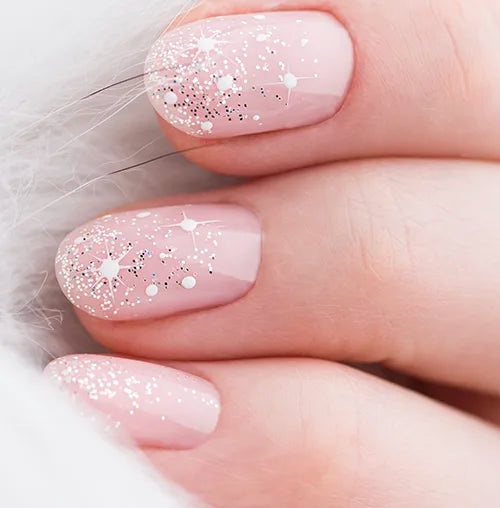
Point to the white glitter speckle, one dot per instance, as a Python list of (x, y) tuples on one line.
[(225, 83), (152, 290), (206, 44), (189, 282), (171, 98)]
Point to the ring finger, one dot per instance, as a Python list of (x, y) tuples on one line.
[(291, 433)]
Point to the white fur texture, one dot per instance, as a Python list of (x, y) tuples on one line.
[(51, 145)]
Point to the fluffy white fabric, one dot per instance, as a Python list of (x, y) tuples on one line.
[(51, 145)]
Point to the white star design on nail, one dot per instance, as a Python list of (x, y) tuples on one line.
[(290, 81), (109, 270), (190, 225)]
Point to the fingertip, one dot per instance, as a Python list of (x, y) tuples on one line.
[(254, 155), (154, 405)]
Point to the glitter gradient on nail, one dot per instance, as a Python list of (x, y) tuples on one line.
[(152, 404), (152, 263), (234, 75)]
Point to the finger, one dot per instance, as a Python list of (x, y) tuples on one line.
[(485, 406), (422, 82), (389, 261), (300, 433)]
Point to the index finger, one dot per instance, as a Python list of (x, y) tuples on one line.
[(280, 85)]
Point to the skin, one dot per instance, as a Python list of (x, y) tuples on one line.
[(395, 261), (425, 85)]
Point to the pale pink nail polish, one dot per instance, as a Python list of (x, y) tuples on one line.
[(235, 75), (154, 405), (151, 263)]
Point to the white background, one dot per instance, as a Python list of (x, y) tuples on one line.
[(54, 52)]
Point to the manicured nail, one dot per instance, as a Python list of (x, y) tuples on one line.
[(152, 263), (244, 74), (154, 405)]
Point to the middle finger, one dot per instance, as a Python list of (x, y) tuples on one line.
[(382, 261)]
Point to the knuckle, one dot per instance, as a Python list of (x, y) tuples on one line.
[(385, 263), (464, 32)]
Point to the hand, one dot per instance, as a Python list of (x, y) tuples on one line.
[(262, 287)]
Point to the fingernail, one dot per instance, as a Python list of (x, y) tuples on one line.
[(153, 405), (152, 263), (252, 73)]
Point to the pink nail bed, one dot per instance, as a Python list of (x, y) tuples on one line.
[(156, 406), (234, 75), (151, 263)]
